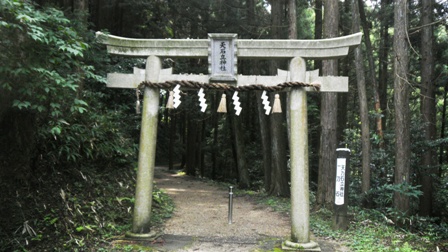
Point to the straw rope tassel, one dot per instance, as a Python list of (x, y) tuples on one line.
[(169, 104), (277, 108), (222, 108)]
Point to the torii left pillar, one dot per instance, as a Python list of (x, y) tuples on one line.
[(147, 153)]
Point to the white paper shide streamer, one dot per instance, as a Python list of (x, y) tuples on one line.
[(265, 102), (176, 96), (202, 100), (236, 103)]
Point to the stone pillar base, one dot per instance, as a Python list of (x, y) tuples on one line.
[(152, 235), (310, 246)]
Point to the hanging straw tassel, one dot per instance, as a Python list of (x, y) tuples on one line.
[(277, 108), (137, 102), (170, 104), (222, 108)]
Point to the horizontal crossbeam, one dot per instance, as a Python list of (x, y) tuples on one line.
[(325, 83), (247, 48)]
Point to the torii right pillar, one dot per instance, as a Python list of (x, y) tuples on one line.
[(300, 223)]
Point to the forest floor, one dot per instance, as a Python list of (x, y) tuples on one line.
[(200, 220)]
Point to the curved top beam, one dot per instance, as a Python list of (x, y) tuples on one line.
[(247, 48)]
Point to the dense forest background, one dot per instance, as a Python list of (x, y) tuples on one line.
[(62, 132)]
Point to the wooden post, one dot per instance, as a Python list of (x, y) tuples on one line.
[(340, 220), (147, 153)]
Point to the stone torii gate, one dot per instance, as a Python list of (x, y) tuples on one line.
[(225, 71)]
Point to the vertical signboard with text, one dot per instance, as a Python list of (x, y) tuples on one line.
[(222, 57)]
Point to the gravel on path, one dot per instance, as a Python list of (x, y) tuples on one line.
[(200, 219)]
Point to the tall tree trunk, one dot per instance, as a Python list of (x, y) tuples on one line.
[(199, 153), (345, 65), (279, 175), (191, 147), (238, 137), (328, 144), (265, 142), (277, 11), (278, 141), (401, 102), (363, 109), (251, 17), (314, 121), (172, 123), (372, 77), (318, 28), (383, 53), (428, 107), (443, 125), (183, 137), (292, 17), (215, 136)]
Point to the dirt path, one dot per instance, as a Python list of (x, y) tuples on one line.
[(200, 221)]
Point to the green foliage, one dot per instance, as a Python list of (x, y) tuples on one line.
[(94, 136), (320, 224), (441, 196), (46, 74), (369, 230), (77, 209), (163, 207), (383, 194), (42, 60)]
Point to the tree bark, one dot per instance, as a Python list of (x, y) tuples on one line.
[(401, 102), (238, 137), (172, 136), (292, 17), (199, 153), (191, 147), (279, 179), (372, 66), (328, 144), (386, 17), (318, 28), (442, 126), (215, 102), (345, 65), (279, 175), (363, 108), (428, 107), (183, 136), (265, 142), (314, 121)]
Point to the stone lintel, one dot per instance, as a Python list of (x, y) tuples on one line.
[(328, 83), (247, 48), (120, 80), (331, 83)]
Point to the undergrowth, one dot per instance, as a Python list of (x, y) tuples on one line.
[(74, 209), (369, 230)]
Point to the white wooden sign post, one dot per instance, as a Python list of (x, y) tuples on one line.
[(223, 50)]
